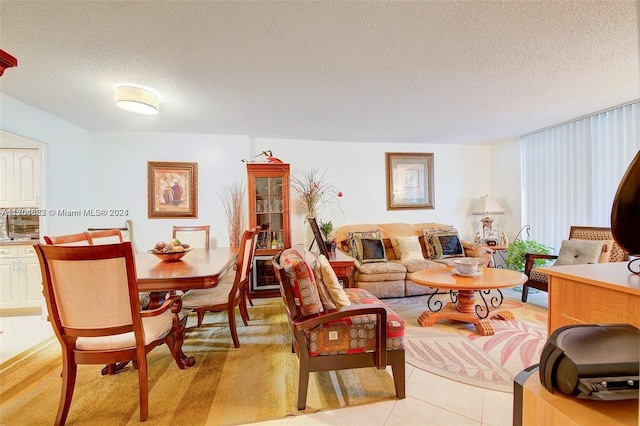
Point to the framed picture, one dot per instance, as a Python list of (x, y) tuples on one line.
[(491, 235), (172, 190), (409, 180), (317, 237)]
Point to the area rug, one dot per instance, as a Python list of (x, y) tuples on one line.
[(456, 351), (255, 382)]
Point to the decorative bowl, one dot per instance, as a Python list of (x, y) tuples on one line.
[(466, 266), (170, 256)]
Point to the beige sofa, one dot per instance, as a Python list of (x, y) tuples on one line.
[(391, 277)]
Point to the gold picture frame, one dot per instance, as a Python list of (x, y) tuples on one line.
[(409, 180), (172, 190)]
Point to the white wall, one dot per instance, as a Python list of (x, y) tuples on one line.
[(462, 173), (506, 184), (119, 178)]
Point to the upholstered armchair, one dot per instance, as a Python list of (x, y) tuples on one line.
[(325, 318), (609, 252)]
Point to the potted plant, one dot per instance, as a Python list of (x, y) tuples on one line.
[(519, 248), (326, 228)]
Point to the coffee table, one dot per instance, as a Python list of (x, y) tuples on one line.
[(462, 289)]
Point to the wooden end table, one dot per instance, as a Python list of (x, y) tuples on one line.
[(462, 290)]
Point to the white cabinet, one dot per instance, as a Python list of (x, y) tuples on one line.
[(20, 281), (19, 177)]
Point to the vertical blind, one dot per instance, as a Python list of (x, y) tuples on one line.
[(571, 172)]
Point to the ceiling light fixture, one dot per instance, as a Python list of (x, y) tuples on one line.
[(138, 100)]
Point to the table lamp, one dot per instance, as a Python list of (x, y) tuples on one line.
[(487, 205)]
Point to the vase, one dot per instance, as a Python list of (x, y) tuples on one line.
[(625, 212), (178, 190)]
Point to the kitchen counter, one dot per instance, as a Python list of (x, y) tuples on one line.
[(24, 242)]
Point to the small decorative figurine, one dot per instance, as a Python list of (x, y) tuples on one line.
[(504, 241)]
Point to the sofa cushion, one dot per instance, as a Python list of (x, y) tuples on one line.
[(428, 241), (579, 252), (447, 244), (368, 248), (408, 248), (355, 334), (302, 281), (415, 265)]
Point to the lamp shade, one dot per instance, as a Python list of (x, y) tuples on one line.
[(488, 205), (137, 100)]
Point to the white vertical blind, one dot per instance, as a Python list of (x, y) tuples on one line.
[(571, 172)]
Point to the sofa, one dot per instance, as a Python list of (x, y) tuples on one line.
[(385, 255)]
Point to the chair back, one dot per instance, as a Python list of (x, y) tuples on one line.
[(245, 260), (80, 239), (598, 234), (105, 236), (91, 291), (195, 236)]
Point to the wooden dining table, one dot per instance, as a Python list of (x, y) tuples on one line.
[(198, 269)]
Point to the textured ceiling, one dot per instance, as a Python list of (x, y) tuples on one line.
[(421, 71)]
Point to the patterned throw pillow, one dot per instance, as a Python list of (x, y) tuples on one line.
[(447, 244), (367, 247), (303, 285), (428, 241), (323, 291)]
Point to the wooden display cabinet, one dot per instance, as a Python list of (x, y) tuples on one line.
[(268, 189)]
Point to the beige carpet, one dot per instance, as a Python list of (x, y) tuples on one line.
[(255, 382), (456, 351)]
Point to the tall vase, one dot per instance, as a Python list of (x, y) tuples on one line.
[(625, 212)]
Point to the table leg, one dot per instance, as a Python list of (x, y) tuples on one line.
[(465, 310)]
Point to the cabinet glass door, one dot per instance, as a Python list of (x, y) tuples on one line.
[(269, 212)]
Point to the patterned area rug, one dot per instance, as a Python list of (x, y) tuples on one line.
[(456, 351), (227, 386)]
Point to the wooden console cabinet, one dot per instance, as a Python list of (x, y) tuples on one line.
[(602, 293)]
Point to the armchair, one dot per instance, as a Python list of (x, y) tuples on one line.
[(612, 252), (322, 339)]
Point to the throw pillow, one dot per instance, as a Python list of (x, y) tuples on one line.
[(447, 244), (428, 240), (302, 282), (325, 294), (330, 279), (579, 252), (409, 248), (368, 247)]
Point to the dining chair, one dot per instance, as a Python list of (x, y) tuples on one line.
[(94, 329), (195, 236), (105, 236), (230, 291), (79, 239)]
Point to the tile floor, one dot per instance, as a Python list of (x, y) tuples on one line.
[(430, 399)]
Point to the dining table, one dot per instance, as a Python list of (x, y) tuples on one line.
[(198, 269)]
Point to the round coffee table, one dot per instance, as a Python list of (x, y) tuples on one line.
[(461, 288)]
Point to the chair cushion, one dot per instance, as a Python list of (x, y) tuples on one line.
[(302, 281), (535, 275), (355, 334), (579, 252), (208, 297), (155, 328)]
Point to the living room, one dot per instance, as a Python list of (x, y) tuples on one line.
[(106, 168)]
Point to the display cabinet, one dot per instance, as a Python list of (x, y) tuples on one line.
[(268, 189)]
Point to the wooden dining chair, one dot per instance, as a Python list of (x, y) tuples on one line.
[(105, 236), (79, 239), (95, 329), (230, 291), (195, 236)]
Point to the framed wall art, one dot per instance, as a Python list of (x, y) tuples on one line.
[(172, 190), (409, 180), (318, 239)]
